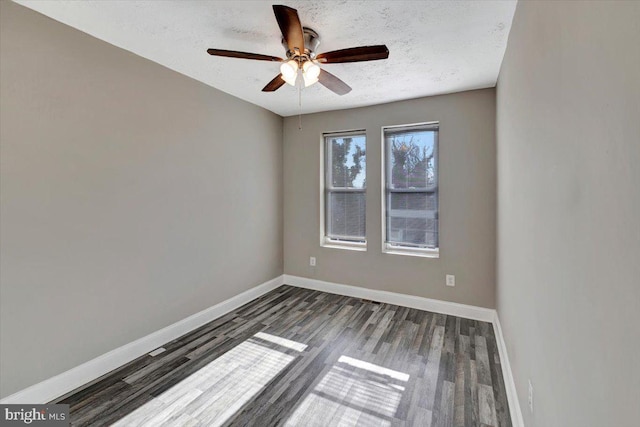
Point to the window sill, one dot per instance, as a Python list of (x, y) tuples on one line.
[(350, 246), (424, 253)]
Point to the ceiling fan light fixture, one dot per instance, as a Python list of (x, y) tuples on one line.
[(310, 73), (290, 80), (310, 69), (309, 80), (289, 72)]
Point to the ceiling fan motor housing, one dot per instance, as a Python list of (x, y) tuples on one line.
[(311, 43)]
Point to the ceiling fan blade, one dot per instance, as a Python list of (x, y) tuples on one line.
[(290, 26), (354, 54), (333, 83), (243, 55), (274, 84)]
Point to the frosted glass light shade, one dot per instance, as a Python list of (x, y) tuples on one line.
[(308, 80), (310, 73), (289, 72)]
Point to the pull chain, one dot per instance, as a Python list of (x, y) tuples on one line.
[(299, 103)]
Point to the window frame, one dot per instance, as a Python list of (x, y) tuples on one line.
[(395, 249), (326, 188)]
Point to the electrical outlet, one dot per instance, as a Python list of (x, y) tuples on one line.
[(312, 261), (530, 397), (451, 280)]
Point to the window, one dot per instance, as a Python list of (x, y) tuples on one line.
[(410, 182), (345, 186)]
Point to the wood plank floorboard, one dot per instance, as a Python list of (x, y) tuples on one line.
[(298, 357)]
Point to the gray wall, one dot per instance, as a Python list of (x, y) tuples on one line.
[(467, 200), (131, 197), (568, 295)]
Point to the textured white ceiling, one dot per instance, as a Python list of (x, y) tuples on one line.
[(435, 47)]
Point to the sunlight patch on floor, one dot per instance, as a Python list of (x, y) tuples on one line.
[(352, 392), (214, 393), (293, 345)]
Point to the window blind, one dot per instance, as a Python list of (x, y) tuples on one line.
[(345, 187)]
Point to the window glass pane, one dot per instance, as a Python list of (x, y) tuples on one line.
[(348, 161), (411, 174), (346, 215), (412, 159), (345, 181)]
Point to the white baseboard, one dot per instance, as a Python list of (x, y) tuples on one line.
[(421, 303), (507, 374), (65, 382)]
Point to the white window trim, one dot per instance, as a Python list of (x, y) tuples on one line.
[(343, 244), (389, 248), (325, 241)]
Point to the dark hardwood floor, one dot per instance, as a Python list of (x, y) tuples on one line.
[(298, 357)]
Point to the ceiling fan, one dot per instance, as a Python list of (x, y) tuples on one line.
[(300, 44)]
